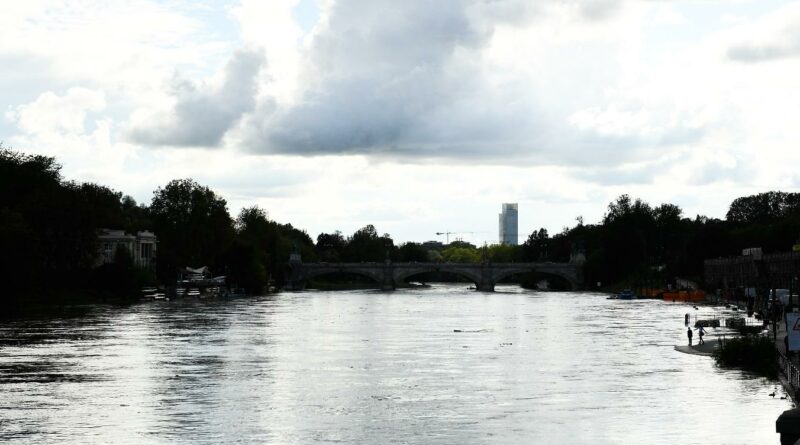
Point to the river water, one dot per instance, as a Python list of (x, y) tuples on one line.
[(373, 367)]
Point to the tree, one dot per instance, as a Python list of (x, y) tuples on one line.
[(412, 252), (461, 255), (331, 246), (366, 245), (192, 224), (764, 208), (503, 253), (535, 247)]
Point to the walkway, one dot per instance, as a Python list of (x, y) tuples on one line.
[(706, 349)]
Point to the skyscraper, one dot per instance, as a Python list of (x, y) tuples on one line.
[(508, 224)]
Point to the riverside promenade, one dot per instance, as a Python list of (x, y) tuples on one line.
[(706, 349), (789, 366)]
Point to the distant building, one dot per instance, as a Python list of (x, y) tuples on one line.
[(433, 245), (141, 246), (508, 224)]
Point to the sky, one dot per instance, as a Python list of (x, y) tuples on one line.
[(415, 116)]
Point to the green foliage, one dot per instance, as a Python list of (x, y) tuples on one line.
[(261, 248), (503, 253), (753, 353), (412, 252), (366, 245), (193, 227), (330, 246), (48, 226), (535, 247), (764, 208), (634, 239), (460, 255)]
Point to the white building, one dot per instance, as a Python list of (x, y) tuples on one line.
[(509, 232), (141, 246)]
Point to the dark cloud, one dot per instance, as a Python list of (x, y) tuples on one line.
[(762, 53), (636, 174), (406, 81), (203, 114), (741, 172), (784, 44), (596, 10), (399, 80)]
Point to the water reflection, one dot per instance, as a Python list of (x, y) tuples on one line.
[(438, 365)]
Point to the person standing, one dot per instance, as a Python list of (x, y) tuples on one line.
[(701, 332), (689, 334)]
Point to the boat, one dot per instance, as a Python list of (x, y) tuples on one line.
[(149, 293), (626, 294), (198, 282)]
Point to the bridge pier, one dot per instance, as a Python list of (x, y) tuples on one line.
[(485, 287), (294, 285)]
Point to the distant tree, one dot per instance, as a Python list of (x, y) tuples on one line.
[(247, 261), (412, 252), (764, 208), (192, 224), (461, 255), (460, 243), (330, 246), (535, 247), (366, 245)]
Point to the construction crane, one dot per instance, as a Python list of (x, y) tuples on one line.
[(452, 233)]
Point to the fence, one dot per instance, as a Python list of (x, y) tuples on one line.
[(789, 369)]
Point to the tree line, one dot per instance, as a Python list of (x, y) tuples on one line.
[(48, 228), (49, 232), (634, 244)]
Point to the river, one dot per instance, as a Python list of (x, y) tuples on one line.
[(374, 367)]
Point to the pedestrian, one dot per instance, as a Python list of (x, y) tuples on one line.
[(689, 334), (701, 332)]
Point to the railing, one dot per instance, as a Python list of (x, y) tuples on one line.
[(789, 369)]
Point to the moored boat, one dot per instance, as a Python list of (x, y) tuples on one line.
[(626, 294)]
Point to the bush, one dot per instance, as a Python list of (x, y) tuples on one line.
[(752, 353), (751, 330)]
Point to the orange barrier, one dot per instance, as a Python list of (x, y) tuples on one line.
[(685, 295), (650, 292)]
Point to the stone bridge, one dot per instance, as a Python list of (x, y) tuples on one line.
[(388, 274)]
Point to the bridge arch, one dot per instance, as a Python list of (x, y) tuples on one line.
[(366, 273), (505, 273), (402, 275)]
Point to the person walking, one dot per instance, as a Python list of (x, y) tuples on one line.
[(701, 332), (689, 334)]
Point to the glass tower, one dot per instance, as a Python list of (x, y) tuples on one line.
[(508, 224)]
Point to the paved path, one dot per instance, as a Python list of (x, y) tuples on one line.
[(705, 349)]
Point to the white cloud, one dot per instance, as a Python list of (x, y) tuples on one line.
[(51, 113)]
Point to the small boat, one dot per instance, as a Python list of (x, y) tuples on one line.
[(149, 293), (626, 294)]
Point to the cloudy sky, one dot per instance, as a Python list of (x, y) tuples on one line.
[(414, 116)]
